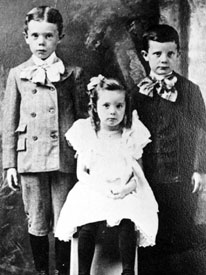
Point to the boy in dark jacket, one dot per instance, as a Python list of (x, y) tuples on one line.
[(172, 108)]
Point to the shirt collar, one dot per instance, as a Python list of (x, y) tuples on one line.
[(49, 61)]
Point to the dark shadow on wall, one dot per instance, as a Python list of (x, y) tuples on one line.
[(184, 34)]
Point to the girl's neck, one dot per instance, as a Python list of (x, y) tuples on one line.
[(110, 133)]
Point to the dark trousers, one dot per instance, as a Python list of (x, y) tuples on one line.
[(127, 246), (177, 233)]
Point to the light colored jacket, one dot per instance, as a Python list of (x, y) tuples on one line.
[(36, 118)]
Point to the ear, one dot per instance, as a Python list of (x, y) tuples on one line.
[(145, 55), (61, 37), (178, 53), (26, 37)]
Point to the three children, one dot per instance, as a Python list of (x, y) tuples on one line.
[(44, 97)]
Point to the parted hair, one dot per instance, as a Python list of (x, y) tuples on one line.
[(160, 33), (108, 84), (45, 13)]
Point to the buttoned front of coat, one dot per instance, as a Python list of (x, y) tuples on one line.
[(36, 118), (175, 151)]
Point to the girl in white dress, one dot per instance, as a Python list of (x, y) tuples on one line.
[(112, 186)]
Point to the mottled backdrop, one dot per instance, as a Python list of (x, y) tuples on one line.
[(102, 36)]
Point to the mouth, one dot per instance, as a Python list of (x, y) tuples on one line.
[(41, 51), (112, 119), (163, 67)]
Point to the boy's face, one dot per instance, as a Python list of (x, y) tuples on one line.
[(162, 57), (42, 38)]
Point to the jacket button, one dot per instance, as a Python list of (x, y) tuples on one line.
[(34, 91), (33, 114), (51, 110), (51, 88), (34, 138), (53, 135)]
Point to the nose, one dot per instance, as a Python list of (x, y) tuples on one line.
[(112, 110), (163, 58), (41, 40)]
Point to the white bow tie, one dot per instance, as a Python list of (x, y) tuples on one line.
[(42, 73)]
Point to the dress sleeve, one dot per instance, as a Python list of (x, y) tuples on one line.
[(139, 137), (79, 135)]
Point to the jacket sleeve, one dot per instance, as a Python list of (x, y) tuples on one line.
[(80, 95), (11, 104), (199, 114)]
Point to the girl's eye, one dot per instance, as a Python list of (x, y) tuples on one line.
[(119, 106), (106, 105)]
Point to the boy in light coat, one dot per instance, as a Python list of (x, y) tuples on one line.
[(43, 98)]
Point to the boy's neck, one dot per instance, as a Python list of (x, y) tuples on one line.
[(157, 76), (49, 60)]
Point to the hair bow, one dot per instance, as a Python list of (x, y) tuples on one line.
[(94, 81)]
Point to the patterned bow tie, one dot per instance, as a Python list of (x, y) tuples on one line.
[(165, 87), (42, 73)]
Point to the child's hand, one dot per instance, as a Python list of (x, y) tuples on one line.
[(198, 182), (12, 179), (119, 193)]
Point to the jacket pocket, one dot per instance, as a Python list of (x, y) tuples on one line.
[(21, 143), (21, 128)]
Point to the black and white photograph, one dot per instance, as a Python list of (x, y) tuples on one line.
[(103, 137)]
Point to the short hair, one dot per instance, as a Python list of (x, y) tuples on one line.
[(44, 13), (160, 33), (108, 84)]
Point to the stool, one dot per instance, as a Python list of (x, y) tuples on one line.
[(106, 259)]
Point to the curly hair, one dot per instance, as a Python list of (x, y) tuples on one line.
[(98, 84), (44, 13)]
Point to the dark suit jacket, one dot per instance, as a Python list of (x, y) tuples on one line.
[(177, 133), (36, 118)]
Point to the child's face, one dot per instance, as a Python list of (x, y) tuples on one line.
[(111, 108), (42, 38), (162, 57)]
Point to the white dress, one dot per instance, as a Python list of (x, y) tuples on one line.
[(109, 162)]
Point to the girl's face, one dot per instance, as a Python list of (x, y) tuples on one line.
[(111, 107), (42, 38), (162, 57)]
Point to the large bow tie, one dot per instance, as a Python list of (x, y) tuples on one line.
[(165, 87), (42, 73)]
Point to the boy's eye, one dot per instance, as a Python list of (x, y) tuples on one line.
[(34, 35), (157, 53), (49, 35), (170, 54)]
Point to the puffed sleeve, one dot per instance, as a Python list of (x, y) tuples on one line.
[(80, 135), (138, 138)]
